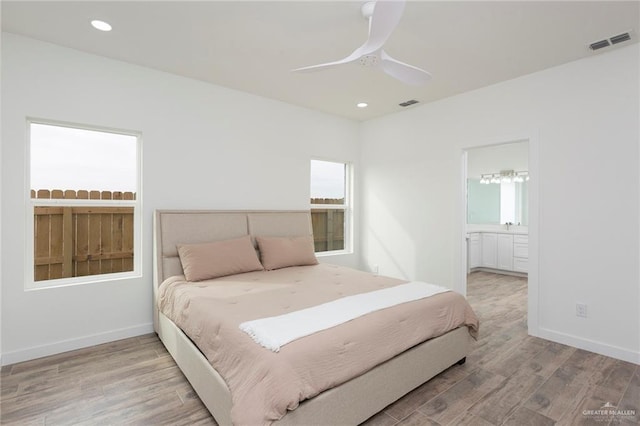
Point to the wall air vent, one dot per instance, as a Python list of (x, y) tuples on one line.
[(599, 44), (620, 38), (407, 103)]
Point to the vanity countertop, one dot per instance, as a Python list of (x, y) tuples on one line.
[(498, 229), (503, 231)]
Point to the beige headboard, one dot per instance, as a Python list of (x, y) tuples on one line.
[(172, 227)]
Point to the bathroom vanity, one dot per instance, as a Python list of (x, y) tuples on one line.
[(497, 249)]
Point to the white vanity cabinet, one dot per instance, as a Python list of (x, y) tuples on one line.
[(498, 250), (489, 250), (475, 250), (505, 252), (521, 253)]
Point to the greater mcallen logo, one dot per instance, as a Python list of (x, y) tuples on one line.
[(607, 412)]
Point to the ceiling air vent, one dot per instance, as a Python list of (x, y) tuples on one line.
[(620, 38), (599, 44), (407, 103), (610, 41)]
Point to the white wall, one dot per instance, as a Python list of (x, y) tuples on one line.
[(203, 147), (584, 118), (494, 159)]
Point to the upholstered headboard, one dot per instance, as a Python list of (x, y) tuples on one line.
[(172, 227)]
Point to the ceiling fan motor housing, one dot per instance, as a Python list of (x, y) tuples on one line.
[(369, 61)]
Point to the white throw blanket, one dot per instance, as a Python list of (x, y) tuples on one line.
[(274, 332)]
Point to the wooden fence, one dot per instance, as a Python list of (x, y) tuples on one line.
[(328, 225), (327, 201), (73, 241)]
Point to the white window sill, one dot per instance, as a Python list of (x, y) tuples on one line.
[(333, 253), (84, 280)]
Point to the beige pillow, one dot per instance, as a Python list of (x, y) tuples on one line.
[(218, 259), (280, 252)]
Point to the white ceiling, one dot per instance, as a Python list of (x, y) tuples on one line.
[(252, 46)]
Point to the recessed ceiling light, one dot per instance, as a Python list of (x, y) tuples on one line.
[(100, 25), (362, 105)]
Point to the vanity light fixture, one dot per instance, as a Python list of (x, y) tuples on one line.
[(100, 25), (505, 176), (519, 177)]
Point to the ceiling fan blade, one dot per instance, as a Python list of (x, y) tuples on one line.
[(353, 57), (385, 18), (403, 72)]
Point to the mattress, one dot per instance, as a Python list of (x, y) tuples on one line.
[(264, 385)]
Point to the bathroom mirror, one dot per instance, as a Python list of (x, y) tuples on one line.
[(496, 204)]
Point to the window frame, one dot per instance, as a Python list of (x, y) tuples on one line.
[(30, 203), (347, 207)]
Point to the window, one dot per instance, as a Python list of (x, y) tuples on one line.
[(84, 203), (330, 205)]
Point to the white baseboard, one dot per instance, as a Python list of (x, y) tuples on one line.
[(590, 345), (499, 271), (27, 354)]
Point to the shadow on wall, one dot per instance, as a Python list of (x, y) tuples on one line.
[(396, 243)]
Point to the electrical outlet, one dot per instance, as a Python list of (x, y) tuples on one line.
[(581, 310)]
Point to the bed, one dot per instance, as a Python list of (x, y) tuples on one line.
[(350, 402)]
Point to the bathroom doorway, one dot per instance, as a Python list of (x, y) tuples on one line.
[(500, 218)]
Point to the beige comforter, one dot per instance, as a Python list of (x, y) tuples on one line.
[(265, 384)]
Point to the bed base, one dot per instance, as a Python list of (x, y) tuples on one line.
[(348, 404)]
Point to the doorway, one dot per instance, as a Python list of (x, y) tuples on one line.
[(499, 224)]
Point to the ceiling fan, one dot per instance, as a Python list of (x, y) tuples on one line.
[(383, 17)]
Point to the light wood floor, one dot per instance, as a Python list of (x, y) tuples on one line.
[(509, 379)]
